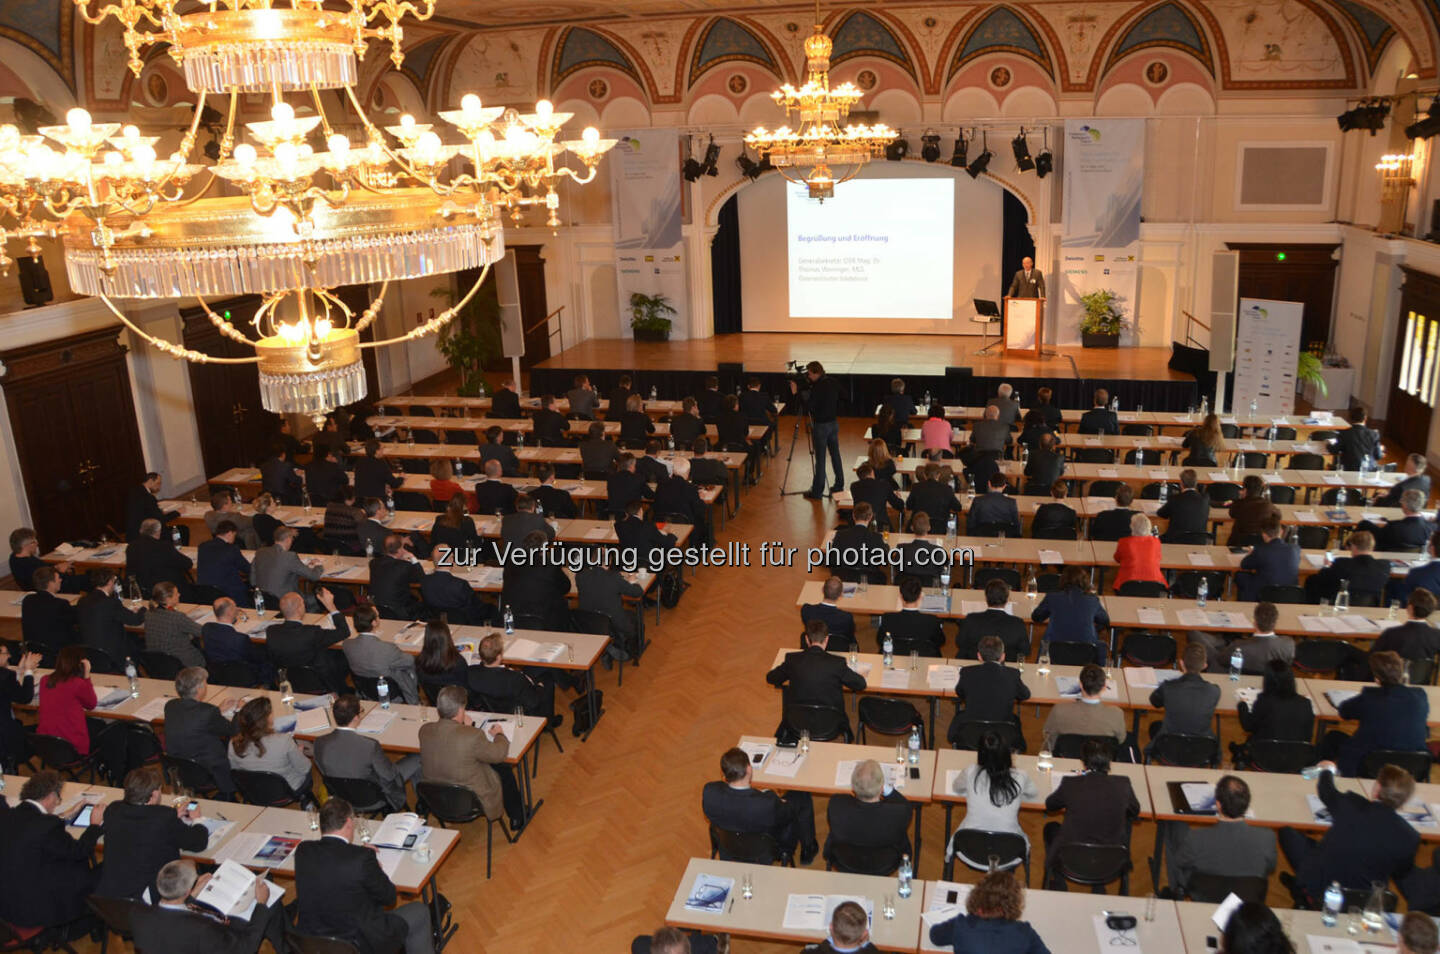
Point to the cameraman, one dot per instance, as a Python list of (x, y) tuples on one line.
[(822, 397)]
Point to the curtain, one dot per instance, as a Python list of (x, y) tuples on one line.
[(725, 270)]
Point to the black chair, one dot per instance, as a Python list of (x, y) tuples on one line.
[(756, 848), (1186, 585), (975, 848), (190, 775), (266, 789), (1102, 488), (1136, 430), (307, 681), (1056, 533), (1254, 460), (155, 665), (859, 859), (1006, 575), (599, 624), (1313, 538), (1071, 745), (1321, 436), (1047, 582), (1416, 763), (1281, 494), (1281, 756), (1284, 433), (1214, 888), (1221, 494), (141, 747), (1306, 461), (1191, 751), (972, 732), (1151, 491), (114, 913), (32, 939), (1280, 593), (366, 687), (1422, 672), (1145, 588), (1316, 657), (1149, 649), (100, 661), (888, 717), (1072, 654), (992, 529), (61, 755), (318, 944), (235, 672), (1092, 455), (1094, 865), (458, 805), (364, 795), (822, 722), (1230, 431)]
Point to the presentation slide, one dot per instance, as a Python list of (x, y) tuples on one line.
[(882, 248)]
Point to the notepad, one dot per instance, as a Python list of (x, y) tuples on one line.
[(1199, 796), (1219, 476), (1332, 479), (1307, 516), (1193, 618), (947, 900), (709, 894), (941, 676), (312, 721), (785, 763), (1200, 559), (597, 533), (1109, 472), (481, 721), (752, 749), (152, 710), (522, 648), (895, 679), (934, 603), (112, 698), (1051, 558), (376, 721), (1150, 616), (1338, 697)]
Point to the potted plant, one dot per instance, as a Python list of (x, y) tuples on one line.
[(1103, 321), (648, 321), (1309, 369), (472, 338)]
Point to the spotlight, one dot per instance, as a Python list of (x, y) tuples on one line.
[(1045, 162), (1368, 114), (930, 146), (897, 150), (751, 169), (690, 169), (978, 164), (712, 156), (957, 158), (1020, 146), (1427, 127)]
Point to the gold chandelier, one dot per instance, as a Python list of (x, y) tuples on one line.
[(822, 139), (291, 208)]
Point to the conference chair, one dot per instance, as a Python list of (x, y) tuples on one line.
[(1306, 461), (458, 805), (1313, 538), (1073, 653), (1416, 763), (599, 624), (756, 848), (1088, 863), (114, 914), (100, 661), (892, 717), (1151, 491), (158, 665), (266, 789), (880, 860), (1071, 745), (1213, 888), (61, 755), (364, 795), (1092, 455), (1149, 649), (235, 672), (14, 937), (307, 681), (1190, 751), (824, 723), (1281, 756), (366, 687), (1282, 593), (189, 775), (1047, 582), (1321, 657), (972, 732), (1222, 494), (1186, 584), (317, 944), (983, 850), (1102, 488), (1144, 588), (1006, 575)]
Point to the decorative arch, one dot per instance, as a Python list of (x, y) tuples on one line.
[(1002, 30), (579, 47), (724, 40), (1167, 25), (420, 60), (1373, 30), (864, 34), (45, 28)]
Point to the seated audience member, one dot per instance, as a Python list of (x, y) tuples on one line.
[(341, 891), (439, 663), (849, 932), (994, 510), (1254, 929), (1073, 612), (598, 453), (1413, 640), (990, 434), (1256, 650), (553, 502), (505, 403), (707, 471), (710, 399), (220, 563), (170, 631), (1204, 443), (348, 754), (1251, 513), (919, 557), (758, 407), (496, 449), (142, 835), (1423, 577), (1415, 479), (889, 428), (455, 752), (443, 485), (373, 528), (1231, 848), (839, 624), (141, 504), (935, 433), (444, 593), (549, 424), (1188, 702), (624, 485), (988, 692), (223, 506), (583, 399), (1138, 555), (66, 695), (1391, 715), (687, 425), (1365, 575), (1419, 933), (909, 627), (278, 569), (1046, 465), (17, 686), (1188, 511), (292, 642), (492, 495), (225, 644), (991, 922), (280, 478), (57, 875), (1099, 809), (1271, 562), (198, 730), (928, 494), (869, 816), (1410, 533), (506, 688), (1357, 441), (325, 476), (371, 657), (102, 617), (514, 527), (677, 496), (1280, 711), (635, 424), (374, 477), (257, 747), (1368, 839), (1114, 524), (732, 805), (651, 469), (1088, 715), (454, 529), (994, 790), (1100, 419), (1055, 519), (393, 575), (815, 677), (169, 923), (537, 590), (47, 620), (997, 620), (602, 587), (858, 550), (643, 536), (618, 400), (25, 560), (152, 557)]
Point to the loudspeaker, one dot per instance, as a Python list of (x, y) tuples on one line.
[(951, 372), (1224, 301), (34, 280)]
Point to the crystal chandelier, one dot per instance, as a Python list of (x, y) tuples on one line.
[(822, 139), (291, 208)]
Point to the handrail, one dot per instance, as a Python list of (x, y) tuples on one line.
[(1191, 319), (558, 330)]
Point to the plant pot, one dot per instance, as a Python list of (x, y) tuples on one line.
[(1095, 339), (650, 334)]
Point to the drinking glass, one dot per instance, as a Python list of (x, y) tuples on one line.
[(747, 887), (804, 741), (914, 660), (1043, 760), (899, 753), (314, 815), (422, 854), (519, 717)]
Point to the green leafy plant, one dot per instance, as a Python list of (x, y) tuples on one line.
[(1103, 315), (1309, 370), (472, 339), (647, 313)]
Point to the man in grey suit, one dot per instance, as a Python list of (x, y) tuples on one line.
[(1008, 406), (1229, 847), (991, 434), (1189, 702), (222, 507), (515, 527), (277, 570), (346, 753), (373, 657), (1028, 282)]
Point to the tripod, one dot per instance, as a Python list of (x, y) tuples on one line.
[(802, 416)]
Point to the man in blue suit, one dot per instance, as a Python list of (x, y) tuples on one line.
[(1391, 716), (839, 624), (1271, 562), (995, 509), (1425, 577), (221, 563)]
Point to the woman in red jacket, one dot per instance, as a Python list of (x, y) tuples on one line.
[(65, 696), (1138, 554)]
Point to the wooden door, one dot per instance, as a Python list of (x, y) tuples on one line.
[(1415, 372), (530, 274), (1285, 272), (76, 436), (233, 427)]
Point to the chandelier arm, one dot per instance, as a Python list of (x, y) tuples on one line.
[(320, 111), (224, 327), (166, 347), (378, 137), (370, 313), (436, 323), (579, 179)]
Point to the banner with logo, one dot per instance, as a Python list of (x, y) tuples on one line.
[(1267, 349), (645, 190), (1100, 247)]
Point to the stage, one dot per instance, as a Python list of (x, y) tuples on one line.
[(867, 362)]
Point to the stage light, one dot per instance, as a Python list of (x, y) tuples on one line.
[(1368, 114), (930, 146), (751, 169), (1020, 146), (712, 156), (979, 163), (1427, 127), (1045, 162), (897, 150), (690, 169), (957, 158)]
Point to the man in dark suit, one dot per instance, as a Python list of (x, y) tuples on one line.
[(392, 574), (1413, 640), (1364, 573), (619, 397), (732, 430), (990, 435), (48, 873), (677, 495), (707, 470), (1028, 282), (898, 401), (932, 495), (988, 692), (373, 475), (341, 891), (292, 642), (867, 816), (549, 424), (324, 477), (225, 644), (443, 592), (1099, 808), (172, 925), (582, 399), (758, 407), (280, 478), (1055, 519), (536, 589), (553, 501), (101, 618), (601, 587), (994, 510), (346, 753), (839, 625), (858, 549), (371, 531), (495, 448), (142, 835), (493, 495), (815, 677), (1367, 841), (25, 560), (515, 527), (1186, 512), (1231, 847), (151, 557), (1415, 479), (47, 619), (1272, 562), (1391, 716), (506, 687), (1357, 442), (1408, 534), (994, 620), (732, 805), (1113, 524), (1188, 702), (1424, 577), (1100, 419), (687, 425), (141, 505), (505, 403), (1007, 404), (624, 486), (650, 468), (1046, 465), (921, 558), (642, 538), (709, 400), (198, 730), (908, 627), (879, 494), (221, 563)]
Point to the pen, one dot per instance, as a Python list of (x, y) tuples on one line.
[(731, 906)]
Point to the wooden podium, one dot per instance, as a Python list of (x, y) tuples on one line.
[(1024, 326)]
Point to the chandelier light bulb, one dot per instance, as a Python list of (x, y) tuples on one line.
[(145, 155), (469, 104), (282, 112), (113, 159), (78, 120), (590, 136), (407, 121), (130, 132), (338, 144), (544, 108), (286, 154), (245, 154)]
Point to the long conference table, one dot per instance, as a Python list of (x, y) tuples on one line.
[(1168, 419), (1157, 443), (523, 425)]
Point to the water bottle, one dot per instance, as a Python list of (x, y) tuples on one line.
[(1254, 408), (1342, 597), (926, 399), (410, 437), (1032, 587), (287, 693), (914, 745), (1115, 404), (945, 582), (133, 676), (1311, 772), (906, 873), (654, 394), (259, 602), (1139, 457), (1164, 492), (459, 467), (519, 438), (382, 689), (369, 548), (389, 500), (175, 535), (1202, 592), (305, 501), (952, 526), (1340, 496), (1334, 901), (509, 620), (1237, 662), (1271, 434), (670, 442), (887, 648), (1204, 407)]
